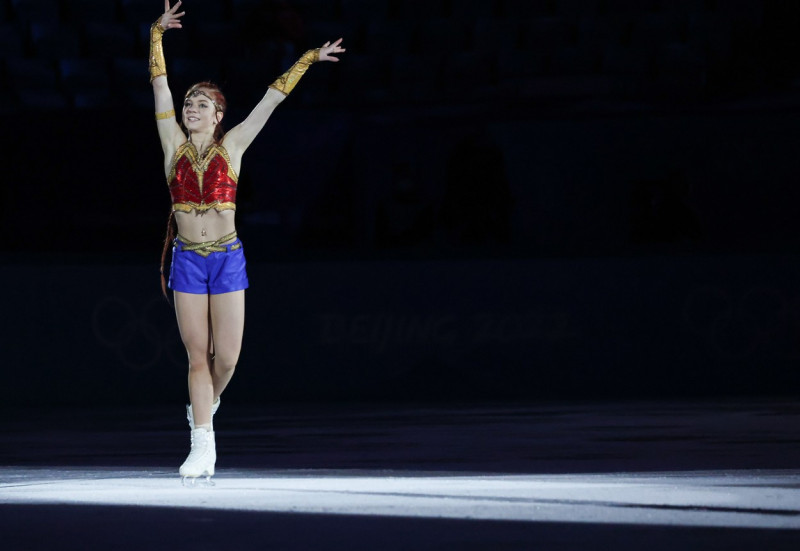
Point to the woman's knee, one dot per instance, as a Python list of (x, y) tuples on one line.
[(199, 362), (224, 364)]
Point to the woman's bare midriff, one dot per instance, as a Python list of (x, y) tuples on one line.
[(208, 225)]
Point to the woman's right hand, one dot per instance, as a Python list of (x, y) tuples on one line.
[(171, 18)]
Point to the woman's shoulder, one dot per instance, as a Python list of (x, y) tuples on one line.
[(226, 148)]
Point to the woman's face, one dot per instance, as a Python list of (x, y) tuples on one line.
[(200, 112)]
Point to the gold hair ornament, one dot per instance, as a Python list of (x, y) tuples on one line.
[(199, 92)]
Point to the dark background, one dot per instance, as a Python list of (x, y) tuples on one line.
[(488, 200)]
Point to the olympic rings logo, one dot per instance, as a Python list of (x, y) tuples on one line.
[(140, 335), (737, 326)]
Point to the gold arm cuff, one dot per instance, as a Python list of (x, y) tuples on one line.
[(158, 66), (287, 81), (165, 115)]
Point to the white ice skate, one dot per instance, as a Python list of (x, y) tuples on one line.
[(201, 460), (190, 415)]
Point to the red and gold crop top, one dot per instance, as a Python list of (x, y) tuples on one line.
[(202, 183)]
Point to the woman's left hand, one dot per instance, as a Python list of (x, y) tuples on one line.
[(328, 49)]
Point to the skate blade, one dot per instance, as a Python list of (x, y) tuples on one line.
[(203, 481)]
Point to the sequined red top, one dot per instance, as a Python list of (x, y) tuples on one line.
[(202, 183)]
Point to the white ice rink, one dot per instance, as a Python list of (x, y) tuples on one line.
[(735, 499), (583, 477)]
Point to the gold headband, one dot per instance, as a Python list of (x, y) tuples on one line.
[(202, 93)]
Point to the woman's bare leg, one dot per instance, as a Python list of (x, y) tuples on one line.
[(227, 322), (194, 324)]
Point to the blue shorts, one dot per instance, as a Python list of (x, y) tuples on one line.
[(217, 273)]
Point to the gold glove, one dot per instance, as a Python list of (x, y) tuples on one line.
[(158, 66), (286, 82)]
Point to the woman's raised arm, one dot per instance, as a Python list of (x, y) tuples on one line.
[(169, 131), (239, 138)]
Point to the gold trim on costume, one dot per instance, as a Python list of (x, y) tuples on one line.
[(201, 165), (158, 66), (165, 115), (216, 205), (207, 247), (287, 81)]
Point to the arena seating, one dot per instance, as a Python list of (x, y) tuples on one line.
[(437, 51)]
